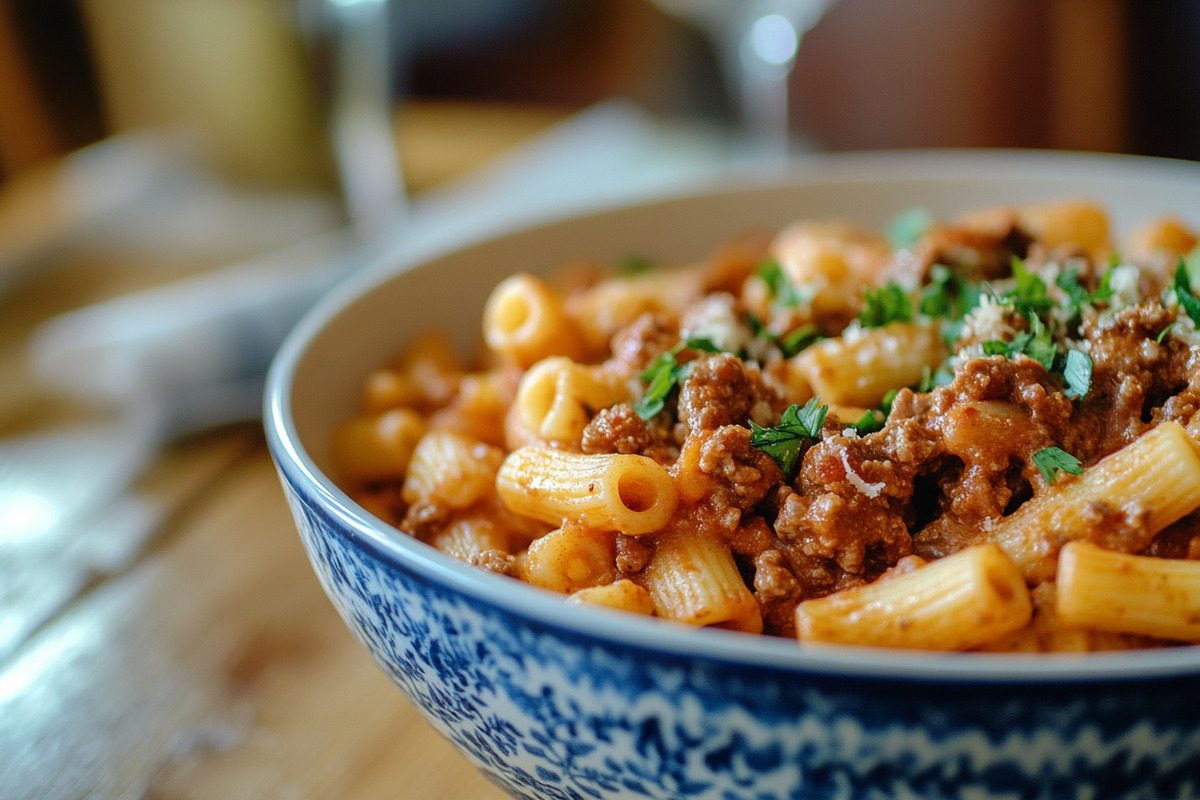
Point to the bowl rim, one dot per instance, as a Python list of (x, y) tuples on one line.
[(673, 639)]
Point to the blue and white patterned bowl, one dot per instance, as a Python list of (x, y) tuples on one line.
[(553, 701)]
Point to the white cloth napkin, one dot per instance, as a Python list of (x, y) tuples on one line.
[(200, 346)]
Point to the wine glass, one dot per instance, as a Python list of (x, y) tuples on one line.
[(351, 44), (756, 43)]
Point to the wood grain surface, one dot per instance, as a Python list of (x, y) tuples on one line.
[(175, 643)]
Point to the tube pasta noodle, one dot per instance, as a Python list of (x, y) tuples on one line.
[(607, 307), (693, 578), (976, 434), (859, 370), (377, 447), (524, 321), (468, 537), (425, 377), (958, 602), (831, 260), (451, 470), (570, 559), (621, 595), (627, 493), (556, 399), (480, 407), (1125, 593)]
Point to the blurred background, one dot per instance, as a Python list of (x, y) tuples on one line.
[(214, 131), (1112, 75)]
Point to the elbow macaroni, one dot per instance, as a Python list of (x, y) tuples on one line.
[(913, 515)]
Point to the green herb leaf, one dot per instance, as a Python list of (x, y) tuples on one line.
[(1052, 460), (790, 343), (872, 420), (875, 418), (1077, 372), (1029, 295), (1035, 343), (1040, 345), (634, 264), (948, 295), (1104, 291), (888, 399), (1163, 333), (996, 347), (1077, 295), (785, 442), (1183, 292), (781, 289), (885, 305), (797, 340), (906, 229), (665, 373), (660, 377), (701, 344)]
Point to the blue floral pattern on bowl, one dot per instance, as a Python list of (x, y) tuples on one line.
[(550, 714)]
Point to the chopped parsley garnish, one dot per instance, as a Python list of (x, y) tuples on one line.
[(794, 341), (1035, 343), (789, 343), (1105, 291), (634, 265), (1077, 296), (906, 229), (1052, 460), (948, 295), (1183, 292), (1068, 281), (933, 378), (885, 305), (785, 442), (1077, 372), (1073, 366), (782, 290), (701, 344), (1029, 295), (665, 373), (872, 420)]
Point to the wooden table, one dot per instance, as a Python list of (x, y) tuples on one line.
[(207, 662)]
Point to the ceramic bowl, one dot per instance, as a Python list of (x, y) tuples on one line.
[(556, 701)]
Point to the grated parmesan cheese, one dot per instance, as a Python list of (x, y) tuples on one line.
[(871, 490)]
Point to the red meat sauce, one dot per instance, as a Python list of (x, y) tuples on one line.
[(947, 463)]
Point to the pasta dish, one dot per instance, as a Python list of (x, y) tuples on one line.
[(978, 433)]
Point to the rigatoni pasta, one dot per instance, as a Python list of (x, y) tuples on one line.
[(860, 368), (693, 578), (964, 600), (966, 434), (615, 492), (1123, 593)]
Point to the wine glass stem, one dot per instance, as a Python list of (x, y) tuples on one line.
[(763, 98), (762, 58)]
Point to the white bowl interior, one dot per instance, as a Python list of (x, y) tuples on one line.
[(318, 373)]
